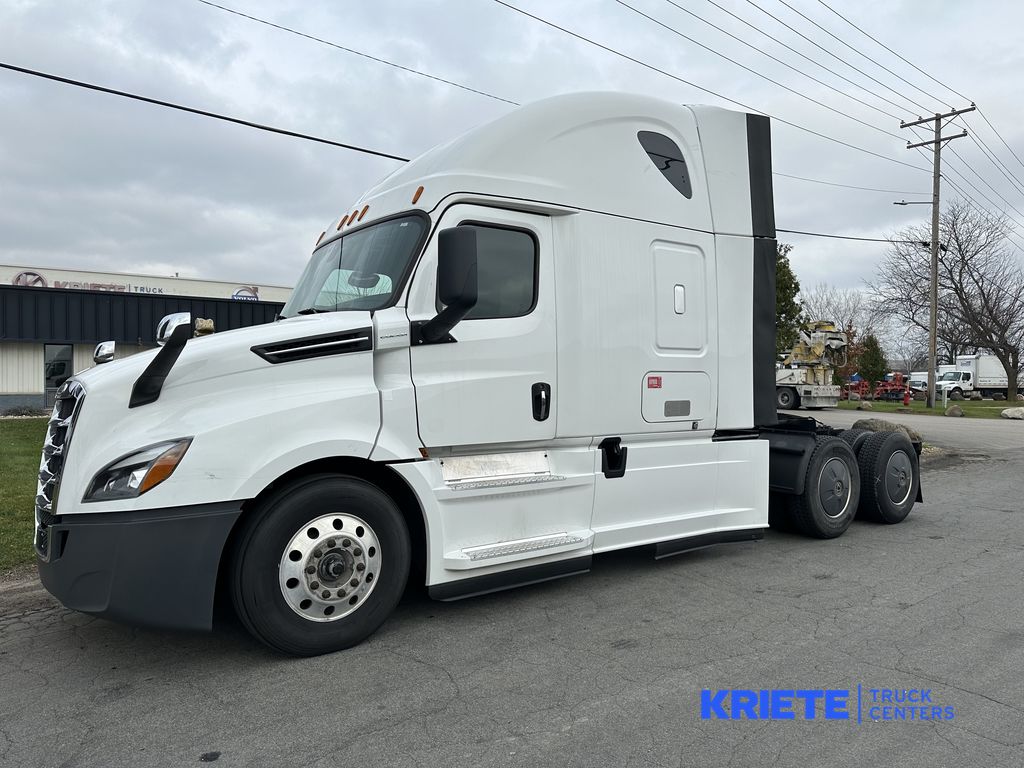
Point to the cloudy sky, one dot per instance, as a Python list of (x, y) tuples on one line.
[(99, 182)]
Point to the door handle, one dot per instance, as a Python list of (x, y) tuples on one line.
[(541, 401)]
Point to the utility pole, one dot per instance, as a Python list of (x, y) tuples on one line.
[(936, 145)]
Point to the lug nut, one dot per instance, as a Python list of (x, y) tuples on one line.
[(354, 583), (360, 566), (330, 543), (317, 553), (310, 569), (346, 542), (342, 593), (314, 585), (325, 594), (357, 551)]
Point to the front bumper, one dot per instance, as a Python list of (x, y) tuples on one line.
[(154, 568)]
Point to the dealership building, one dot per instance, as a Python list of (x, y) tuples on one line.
[(52, 319)]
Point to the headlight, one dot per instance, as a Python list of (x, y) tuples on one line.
[(136, 473)]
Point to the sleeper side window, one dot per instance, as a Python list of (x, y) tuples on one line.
[(506, 272)]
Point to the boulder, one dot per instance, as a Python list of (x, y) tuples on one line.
[(998, 396), (954, 410), (864, 406), (920, 396), (854, 396), (1020, 396), (956, 396), (1012, 413), (974, 395), (881, 425)]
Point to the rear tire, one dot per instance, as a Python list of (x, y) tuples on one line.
[(786, 398), (353, 537), (831, 490), (890, 477), (854, 438)]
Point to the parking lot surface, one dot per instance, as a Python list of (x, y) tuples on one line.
[(602, 669)]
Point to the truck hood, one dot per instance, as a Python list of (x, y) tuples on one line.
[(229, 399), (219, 354)]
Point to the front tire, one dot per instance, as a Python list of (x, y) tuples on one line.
[(831, 490), (320, 564), (786, 398)]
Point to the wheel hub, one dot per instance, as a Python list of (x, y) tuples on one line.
[(329, 567), (899, 474), (834, 487)]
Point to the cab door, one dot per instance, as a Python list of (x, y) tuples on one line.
[(495, 384)]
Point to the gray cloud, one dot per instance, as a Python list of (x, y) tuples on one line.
[(94, 181)]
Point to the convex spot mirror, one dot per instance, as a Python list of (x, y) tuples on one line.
[(456, 280)]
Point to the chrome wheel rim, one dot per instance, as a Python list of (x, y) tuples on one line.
[(834, 487), (329, 567), (899, 477)]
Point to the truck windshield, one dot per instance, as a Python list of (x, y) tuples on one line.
[(950, 376), (360, 271)]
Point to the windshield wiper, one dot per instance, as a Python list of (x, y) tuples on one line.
[(311, 311)]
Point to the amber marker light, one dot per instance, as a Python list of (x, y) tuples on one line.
[(321, 237), (342, 222), (363, 212), (164, 466), (416, 196)]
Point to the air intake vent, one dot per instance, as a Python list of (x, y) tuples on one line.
[(359, 340)]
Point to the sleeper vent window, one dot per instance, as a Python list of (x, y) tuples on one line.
[(667, 158)]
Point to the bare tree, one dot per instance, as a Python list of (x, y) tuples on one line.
[(981, 286), (848, 308)]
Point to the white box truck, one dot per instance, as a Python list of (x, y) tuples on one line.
[(549, 338), (981, 373)]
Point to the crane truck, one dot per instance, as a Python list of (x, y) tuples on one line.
[(506, 358), (804, 378)]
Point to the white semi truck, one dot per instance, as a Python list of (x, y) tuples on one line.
[(549, 338)]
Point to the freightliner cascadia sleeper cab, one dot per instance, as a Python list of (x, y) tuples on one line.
[(549, 338)]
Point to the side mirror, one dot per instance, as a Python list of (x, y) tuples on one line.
[(104, 352), (456, 282), (168, 323)]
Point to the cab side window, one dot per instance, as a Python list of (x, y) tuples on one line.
[(506, 272)]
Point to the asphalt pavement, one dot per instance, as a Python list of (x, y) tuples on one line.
[(604, 669)]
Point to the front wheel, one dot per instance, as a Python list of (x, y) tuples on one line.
[(786, 398), (320, 565)]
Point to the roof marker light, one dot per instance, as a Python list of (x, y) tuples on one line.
[(363, 212), (352, 217), (342, 222), (416, 196), (320, 238)]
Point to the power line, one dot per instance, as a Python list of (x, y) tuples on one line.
[(379, 60), (1000, 137), (653, 68), (890, 50), (202, 112), (863, 55), (992, 189), (741, 41), (991, 156), (844, 237), (834, 56), (849, 186), (753, 71), (788, 47)]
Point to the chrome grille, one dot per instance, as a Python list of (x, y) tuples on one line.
[(58, 436)]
